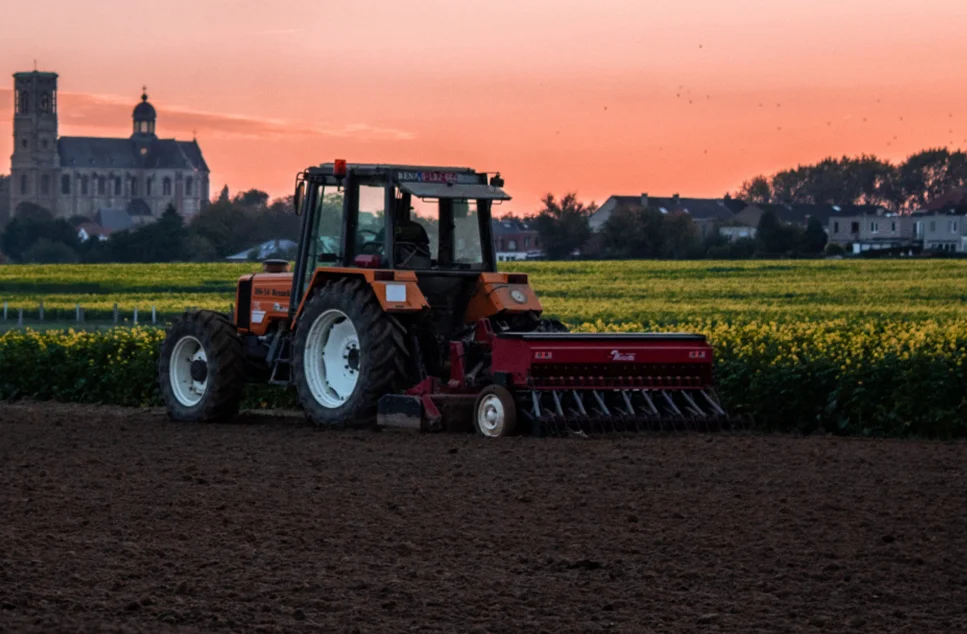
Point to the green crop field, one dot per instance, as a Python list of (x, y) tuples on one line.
[(854, 346), (637, 292)]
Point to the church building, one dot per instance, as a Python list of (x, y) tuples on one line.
[(80, 176)]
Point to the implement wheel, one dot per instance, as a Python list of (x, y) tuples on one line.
[(495, 414), (347, 353), (200, 369)]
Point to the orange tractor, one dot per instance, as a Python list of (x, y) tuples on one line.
[(395, 307)]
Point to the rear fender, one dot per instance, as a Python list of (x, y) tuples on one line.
[(396, 291)]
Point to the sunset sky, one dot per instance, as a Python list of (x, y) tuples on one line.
[(598, 96)]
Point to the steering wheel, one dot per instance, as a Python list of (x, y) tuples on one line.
[(409, 250)]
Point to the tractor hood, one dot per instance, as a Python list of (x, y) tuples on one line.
[(470, 191)]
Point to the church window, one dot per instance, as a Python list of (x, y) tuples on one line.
[(188, 186), (45, 103), (23, 102), (101, 185), (45, 184), (53, 102), (84, 183), (23, 143), (117, 185), (166, 187), (148, 183), (65, 184), (44, 144), (134, 186), (23, 184)]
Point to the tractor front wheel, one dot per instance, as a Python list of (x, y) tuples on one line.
[(347, 353), (200, 369)]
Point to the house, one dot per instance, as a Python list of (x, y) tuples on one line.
[(266, 250), (91, 231), (738, 231), (861, 229), (708, 213), (943, 231), (515, 240)]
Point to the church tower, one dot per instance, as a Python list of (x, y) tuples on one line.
[(34, 163)]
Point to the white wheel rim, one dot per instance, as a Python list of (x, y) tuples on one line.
[(187, 390), (490, 416), (332, 359)]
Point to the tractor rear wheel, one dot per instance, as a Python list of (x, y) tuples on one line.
[(200, 369), (495, 413), (347, 352)]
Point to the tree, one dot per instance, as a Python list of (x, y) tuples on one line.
[(252, 198), (681, 236), (563, 226), (814, 238), (45, 251), (31, 224), (223, 195), (756, 190), (633, 233), (928, 174), (775, 238), (865, 179)]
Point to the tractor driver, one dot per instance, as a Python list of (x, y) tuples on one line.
[(411, 241)]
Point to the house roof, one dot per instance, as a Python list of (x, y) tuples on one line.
[(510, 226), (698, 208), (92, 229), (800, 213), (114, 219), (107, 153)]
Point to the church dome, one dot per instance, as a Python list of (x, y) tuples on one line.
[(144, 111)]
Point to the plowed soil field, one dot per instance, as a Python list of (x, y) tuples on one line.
[(115, 520)]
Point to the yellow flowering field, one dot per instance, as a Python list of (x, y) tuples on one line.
[(874, 347)]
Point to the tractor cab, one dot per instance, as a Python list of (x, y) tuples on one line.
[(434, 222), (397, 217)]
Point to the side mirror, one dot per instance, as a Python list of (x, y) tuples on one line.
[(299, 198)]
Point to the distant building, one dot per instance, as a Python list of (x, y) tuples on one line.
[(515, 240), (708, 213), (861, 229), (943, 231), (76, 176), (91, 231)]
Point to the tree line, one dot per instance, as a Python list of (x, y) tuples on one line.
[(227, 226), (646, 233), (230, 224), (866, 180)]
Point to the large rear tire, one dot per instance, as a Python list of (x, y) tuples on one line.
[(347, 352), (200, 369)]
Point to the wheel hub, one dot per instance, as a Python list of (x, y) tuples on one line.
[(188, 371), (199, 370), (491, 416)]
